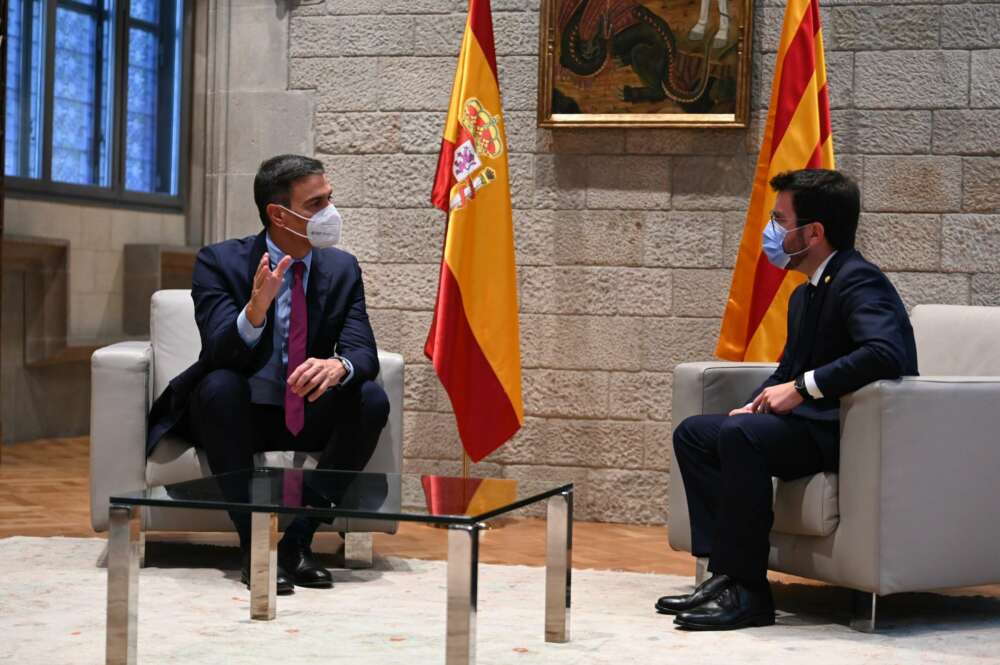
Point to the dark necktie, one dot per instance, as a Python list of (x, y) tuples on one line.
[(810, 293), (295, 414)]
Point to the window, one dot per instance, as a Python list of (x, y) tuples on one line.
[(95, 99)]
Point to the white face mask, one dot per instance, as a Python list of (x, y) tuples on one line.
[(322, 229)]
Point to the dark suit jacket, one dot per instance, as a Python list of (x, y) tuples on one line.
[(221, 286), (856, 332)]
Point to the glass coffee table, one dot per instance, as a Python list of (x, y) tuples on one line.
[(462, 505)]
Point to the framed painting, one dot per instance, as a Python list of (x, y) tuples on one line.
[(649, 63)]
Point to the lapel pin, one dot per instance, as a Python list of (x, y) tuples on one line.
[(826, 280)]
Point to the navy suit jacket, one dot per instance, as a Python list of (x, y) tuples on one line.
[(221, 287), (857, 332)]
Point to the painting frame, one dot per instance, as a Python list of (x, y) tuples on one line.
[(549, 69)]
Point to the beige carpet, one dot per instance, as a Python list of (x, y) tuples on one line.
[(191, 611)]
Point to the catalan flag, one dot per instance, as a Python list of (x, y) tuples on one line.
[(474, 342), (797, 136)]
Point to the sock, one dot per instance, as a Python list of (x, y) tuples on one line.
[(242, 523), (301, 531)]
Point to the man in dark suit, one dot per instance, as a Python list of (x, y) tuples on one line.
[(288, 358), (847, 327)]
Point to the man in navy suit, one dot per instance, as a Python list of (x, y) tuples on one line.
[(288, 357), (847, 327)]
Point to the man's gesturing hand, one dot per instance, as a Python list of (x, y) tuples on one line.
[(315, 376), (266, 283), (779, 399)]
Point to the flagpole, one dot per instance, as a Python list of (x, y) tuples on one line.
[(465, 464)]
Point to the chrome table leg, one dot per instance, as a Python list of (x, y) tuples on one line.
[(463, 581), (558, 567), (263, 565), (142, 545), (123, 585)]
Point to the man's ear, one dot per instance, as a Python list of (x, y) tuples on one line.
[(818, 231), (275, 213)]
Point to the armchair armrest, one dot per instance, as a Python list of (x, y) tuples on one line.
[(705, 387), (119, 406), (919, 470), (388, 455), (715, 386)]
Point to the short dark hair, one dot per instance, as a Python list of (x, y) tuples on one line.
[(273, 182), (825, 196)]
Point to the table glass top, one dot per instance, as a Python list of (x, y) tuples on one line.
[(329, 494)]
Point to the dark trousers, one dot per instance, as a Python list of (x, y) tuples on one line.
[(343, 426), (727, 463)]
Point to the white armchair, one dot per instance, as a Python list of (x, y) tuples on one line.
[(911, 508), (125, 379)]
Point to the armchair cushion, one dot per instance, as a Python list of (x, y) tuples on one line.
[(174, 460), (807, 506), (173, 334), (957, 340)]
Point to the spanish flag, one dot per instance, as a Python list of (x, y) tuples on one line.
[(797, 136), (474, 341)]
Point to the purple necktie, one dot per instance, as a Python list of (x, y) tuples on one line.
[(295, 412)]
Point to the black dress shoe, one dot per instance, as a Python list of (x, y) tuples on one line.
[(736, 607), (284, 582), (302, 566), (703, 593)]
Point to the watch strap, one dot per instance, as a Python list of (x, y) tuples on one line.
[(800, 387)]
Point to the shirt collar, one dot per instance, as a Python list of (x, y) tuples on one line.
[(275, 253), (814, 278)]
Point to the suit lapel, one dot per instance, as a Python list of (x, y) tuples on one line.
[(815, 309), (797, 309), (829, 274), (319, 278), (257, 251), (263, 350)]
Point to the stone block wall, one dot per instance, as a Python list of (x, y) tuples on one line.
[(626, 238), (51, 398), (97, 237), (242, 112)]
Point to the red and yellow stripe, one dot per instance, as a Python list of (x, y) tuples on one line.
[(797, 136), (474, 341), (467, 496)]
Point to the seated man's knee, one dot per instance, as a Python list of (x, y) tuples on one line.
[(682, 433), (223, 387), (693, 430), (374, 404), (735, 436)]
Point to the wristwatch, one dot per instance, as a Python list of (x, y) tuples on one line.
[(800, 386)]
